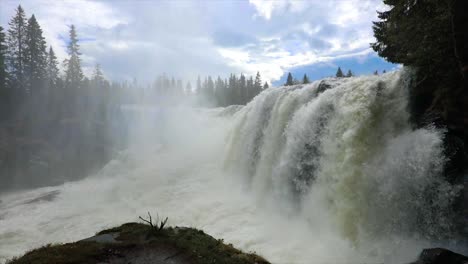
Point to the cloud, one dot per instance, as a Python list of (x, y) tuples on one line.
[(185, 38)]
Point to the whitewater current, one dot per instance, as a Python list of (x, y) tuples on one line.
[(328, 172)]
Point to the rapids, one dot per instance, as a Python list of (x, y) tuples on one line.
[(329, 172)]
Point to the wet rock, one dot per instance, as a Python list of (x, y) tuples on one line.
[(103, 238), (440, 256), (322, 87)]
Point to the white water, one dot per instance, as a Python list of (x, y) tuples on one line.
[(297, 176)]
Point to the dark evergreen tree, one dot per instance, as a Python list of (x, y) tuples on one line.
[(16, 58), (305, 79), (376, 72), (36, 57), (289, 80), (4, 91), (349, 73), (52, 68), (265, 86), (339, 73), (3, 51), (198, 85), (242, 90), (98, 77), (73, 72), (257, 84)]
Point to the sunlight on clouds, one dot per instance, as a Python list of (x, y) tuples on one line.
[(118, 45), (237, 57), (272, 37), (56, 17), (264, 8)]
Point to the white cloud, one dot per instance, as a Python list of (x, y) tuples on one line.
[(186, 38)]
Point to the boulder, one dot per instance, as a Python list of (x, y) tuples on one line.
[(440, 256)]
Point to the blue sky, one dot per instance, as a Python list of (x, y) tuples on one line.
[(186, 38), (358, 65)]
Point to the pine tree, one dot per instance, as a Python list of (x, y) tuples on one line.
[(339, 73), (52, 69), (198, 85), (73, 72), (242, 85), (376, 72), (250, 89), (419, 34), (4, 91), (52, 83), (305, 79), (257, 84), (384, 71), (98, 77), (289, 80), (16, 42), (36, 56), (266, 86), (349, 74), (3, 51)]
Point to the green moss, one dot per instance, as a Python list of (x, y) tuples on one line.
[(195, 244), (80, 252)]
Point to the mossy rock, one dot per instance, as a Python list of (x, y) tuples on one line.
[(139, 243)]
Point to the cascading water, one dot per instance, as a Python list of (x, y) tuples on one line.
[(307, 171), (347, 145)]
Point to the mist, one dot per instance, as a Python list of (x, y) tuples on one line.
[(273, 126)]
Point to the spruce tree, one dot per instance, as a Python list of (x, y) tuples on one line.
[(36, 56), (98, 77), (349, 74), (4, 91), (52, 69), (339, 73), (420, 34), (250, 89), (3, 51), (73, 72), (305, 79), (289, 80), (52, 83), (265, 86), (376, 72), (242, 84), (198, 85), (16, 57), (257, 84)]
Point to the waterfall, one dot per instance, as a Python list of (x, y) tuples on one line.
[(345, 145), (308, 171)]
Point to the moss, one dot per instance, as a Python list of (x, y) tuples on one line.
[(80, 252), (197, 246)]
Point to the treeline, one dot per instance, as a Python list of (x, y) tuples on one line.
[(53, 127), (58, 126), (210, 92), (290, 80), (233, 91)]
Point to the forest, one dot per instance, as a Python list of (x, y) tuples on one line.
[(371, 161), (58, 126)]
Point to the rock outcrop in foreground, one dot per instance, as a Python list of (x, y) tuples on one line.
[(137, 244)]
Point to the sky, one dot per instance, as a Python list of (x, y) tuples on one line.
[(142, 38)]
